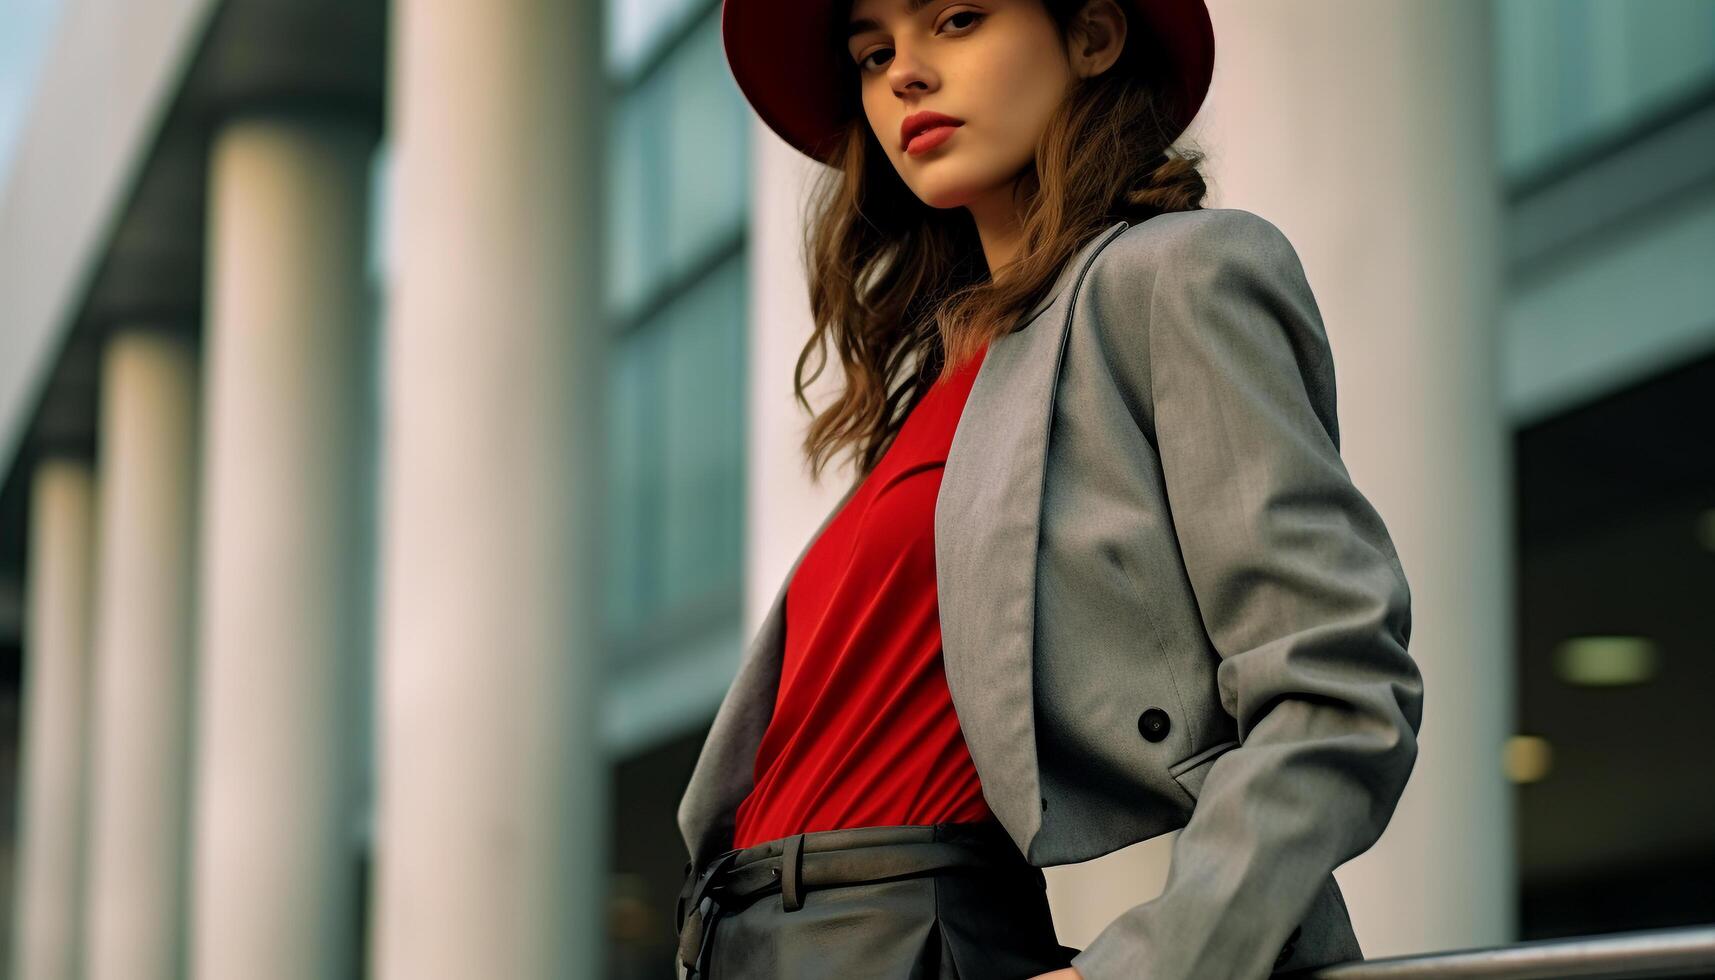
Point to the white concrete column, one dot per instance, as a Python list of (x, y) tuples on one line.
[(1362, 128), (492, 848), (284, 620), (59, 592), (141, 685)]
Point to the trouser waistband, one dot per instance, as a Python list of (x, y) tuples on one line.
[(804, 862)]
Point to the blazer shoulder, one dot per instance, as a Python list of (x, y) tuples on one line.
[(1206, 238), (1188, 290), (1211, 255)]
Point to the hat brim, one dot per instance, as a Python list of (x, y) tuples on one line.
[(784, 55)]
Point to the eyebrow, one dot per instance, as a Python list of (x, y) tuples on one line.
[(859, 26)]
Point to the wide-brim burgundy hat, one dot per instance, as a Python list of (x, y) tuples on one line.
[(786, 57)]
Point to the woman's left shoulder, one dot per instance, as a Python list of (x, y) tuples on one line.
[(1205, 239), (1184, 266), (1217, 293)]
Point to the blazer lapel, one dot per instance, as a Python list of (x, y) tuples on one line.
[(987, 515), (987, 518)]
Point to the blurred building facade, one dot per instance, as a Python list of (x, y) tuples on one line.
[(397, 448)]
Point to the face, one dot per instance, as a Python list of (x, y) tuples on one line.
[(997, 68)]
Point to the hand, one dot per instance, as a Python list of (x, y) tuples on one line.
[(1066, 974)]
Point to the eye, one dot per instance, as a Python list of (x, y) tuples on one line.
[(863, 63), (964, 13), (975, 17)]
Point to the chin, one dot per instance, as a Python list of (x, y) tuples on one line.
[(944, 194)]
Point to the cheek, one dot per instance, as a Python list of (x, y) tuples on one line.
[(1019, 91), (876, 120)]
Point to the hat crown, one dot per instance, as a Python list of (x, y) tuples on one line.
[(779, 53)]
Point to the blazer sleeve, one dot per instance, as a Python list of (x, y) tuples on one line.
[(1297, 583)]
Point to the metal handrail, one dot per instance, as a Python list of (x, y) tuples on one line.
[(1688, 951)]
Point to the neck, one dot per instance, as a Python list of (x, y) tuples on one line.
[(1000, 228)]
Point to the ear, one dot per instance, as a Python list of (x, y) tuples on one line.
[(1096, 37)]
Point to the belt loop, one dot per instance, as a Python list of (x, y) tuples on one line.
[(791, 864)]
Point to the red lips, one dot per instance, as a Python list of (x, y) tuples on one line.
[(917, 122)]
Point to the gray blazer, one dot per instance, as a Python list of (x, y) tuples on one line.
[(1163, 604)]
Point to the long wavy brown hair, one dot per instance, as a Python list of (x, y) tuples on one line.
[(901, 291)]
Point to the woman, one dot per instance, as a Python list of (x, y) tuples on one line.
[(1103, 574)]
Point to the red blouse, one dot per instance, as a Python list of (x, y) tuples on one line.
[(864, 733)]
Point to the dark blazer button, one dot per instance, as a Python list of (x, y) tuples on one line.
[(1153, 724)]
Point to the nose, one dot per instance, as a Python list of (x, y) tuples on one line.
[(908, 73)]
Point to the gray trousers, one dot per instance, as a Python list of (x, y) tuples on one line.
[(927, 903)]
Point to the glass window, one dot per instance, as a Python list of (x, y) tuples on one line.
[(630, 420), (702, 395), (636, 29), (677, 162), (676, 454), (1573, 71), (677, 204), (635, 209), (709, 128)]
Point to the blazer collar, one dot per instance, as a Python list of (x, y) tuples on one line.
[(1068, 272)]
